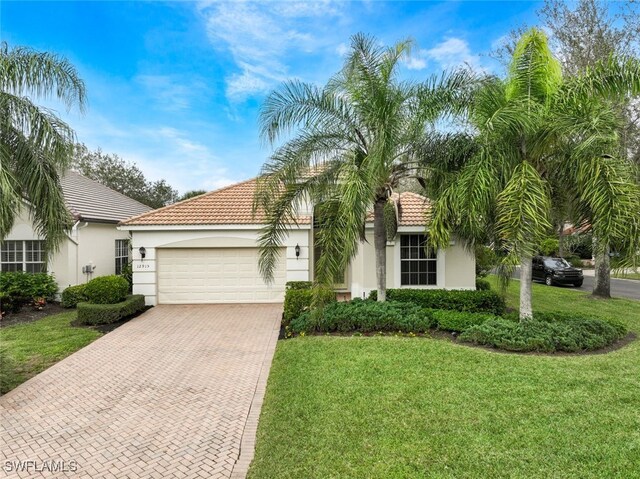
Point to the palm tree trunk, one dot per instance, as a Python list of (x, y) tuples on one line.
[(526, 311), (561, 240), (380, 245), (602, 280)]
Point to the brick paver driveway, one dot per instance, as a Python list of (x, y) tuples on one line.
[(168, 394)]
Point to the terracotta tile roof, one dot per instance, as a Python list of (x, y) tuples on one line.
[(232, 205), (89, 200), (413, 209)]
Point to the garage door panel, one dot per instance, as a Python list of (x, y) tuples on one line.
[(216, 275)]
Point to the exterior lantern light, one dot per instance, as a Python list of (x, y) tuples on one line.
[(297, 251), (143, 252)]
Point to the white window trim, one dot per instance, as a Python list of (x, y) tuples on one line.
[(440, 267), (24, 255), (128, 256)]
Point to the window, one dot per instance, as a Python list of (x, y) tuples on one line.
[(28, 256), (122, 255), (417, 261)]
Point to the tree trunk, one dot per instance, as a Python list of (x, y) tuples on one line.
[(561, 240), (526, 311), (602, 281), (380, 245)]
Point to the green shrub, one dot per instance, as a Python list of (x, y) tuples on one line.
[(73, 295), (547, 333), (106, 290), (298, 298), (574, 261), (365, 316), (299, 285), (458, 321), (21, 288), (549, 247), (93, 314), (458, 300), (296, 302), (486, 260), (580, 244), (482, 284)]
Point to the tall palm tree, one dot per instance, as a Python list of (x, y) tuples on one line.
[(35, 145), (541, 136), (354, 140)]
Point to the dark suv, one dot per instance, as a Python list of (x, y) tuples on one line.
[(555, 271)]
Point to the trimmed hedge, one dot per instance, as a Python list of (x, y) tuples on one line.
[(297, 299), (94, 314), (457, 300), (73, 295), (365, 316), (547, 333), (458, 321), (482, 285), (106, 289), (299, 285)]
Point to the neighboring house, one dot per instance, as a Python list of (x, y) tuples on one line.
[(93, 247), (204, 250)]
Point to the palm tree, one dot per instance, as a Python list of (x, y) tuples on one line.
[(541, 136), (35, 145), (355, 139)]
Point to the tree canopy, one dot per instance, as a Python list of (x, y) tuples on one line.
[(540, 136), (353, 140), (122, 176), (35, 144)]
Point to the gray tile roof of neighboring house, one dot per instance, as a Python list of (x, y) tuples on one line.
[(89, 200)]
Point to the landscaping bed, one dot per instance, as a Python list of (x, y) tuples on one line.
[(29, 314), (394, 406), (477, 317)]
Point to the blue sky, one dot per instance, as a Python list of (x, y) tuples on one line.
[(176, 87)]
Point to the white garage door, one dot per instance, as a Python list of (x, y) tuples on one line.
[(216, 275)]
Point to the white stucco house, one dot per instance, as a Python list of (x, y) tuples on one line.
[(93, 247), (204, 250)]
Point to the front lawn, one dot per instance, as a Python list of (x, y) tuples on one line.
[(635, 276), (28, 349), (390, 407)]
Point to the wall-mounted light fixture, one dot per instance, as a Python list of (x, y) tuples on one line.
[(297, 251), (143, 252)]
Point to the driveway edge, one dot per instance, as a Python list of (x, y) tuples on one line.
[(248, 441)]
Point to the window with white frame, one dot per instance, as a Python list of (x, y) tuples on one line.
[(23, 255), (418, 262), (122, 255)]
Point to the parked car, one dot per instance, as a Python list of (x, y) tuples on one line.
[(556, 271)]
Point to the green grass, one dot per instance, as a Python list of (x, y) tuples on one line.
[(390, 407), (30, 348), (635, 276)]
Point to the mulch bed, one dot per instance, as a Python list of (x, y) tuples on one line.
[(28, 314)]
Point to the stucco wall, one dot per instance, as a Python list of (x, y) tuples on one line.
[(455, 266), (144, 271), (90, 243)]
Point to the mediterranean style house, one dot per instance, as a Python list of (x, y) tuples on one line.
[(204, 250), (93, 247)]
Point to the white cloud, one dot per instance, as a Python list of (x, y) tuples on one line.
[(260, 35), (170, 93), (416, 61), (453, 53), (342, 49)]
